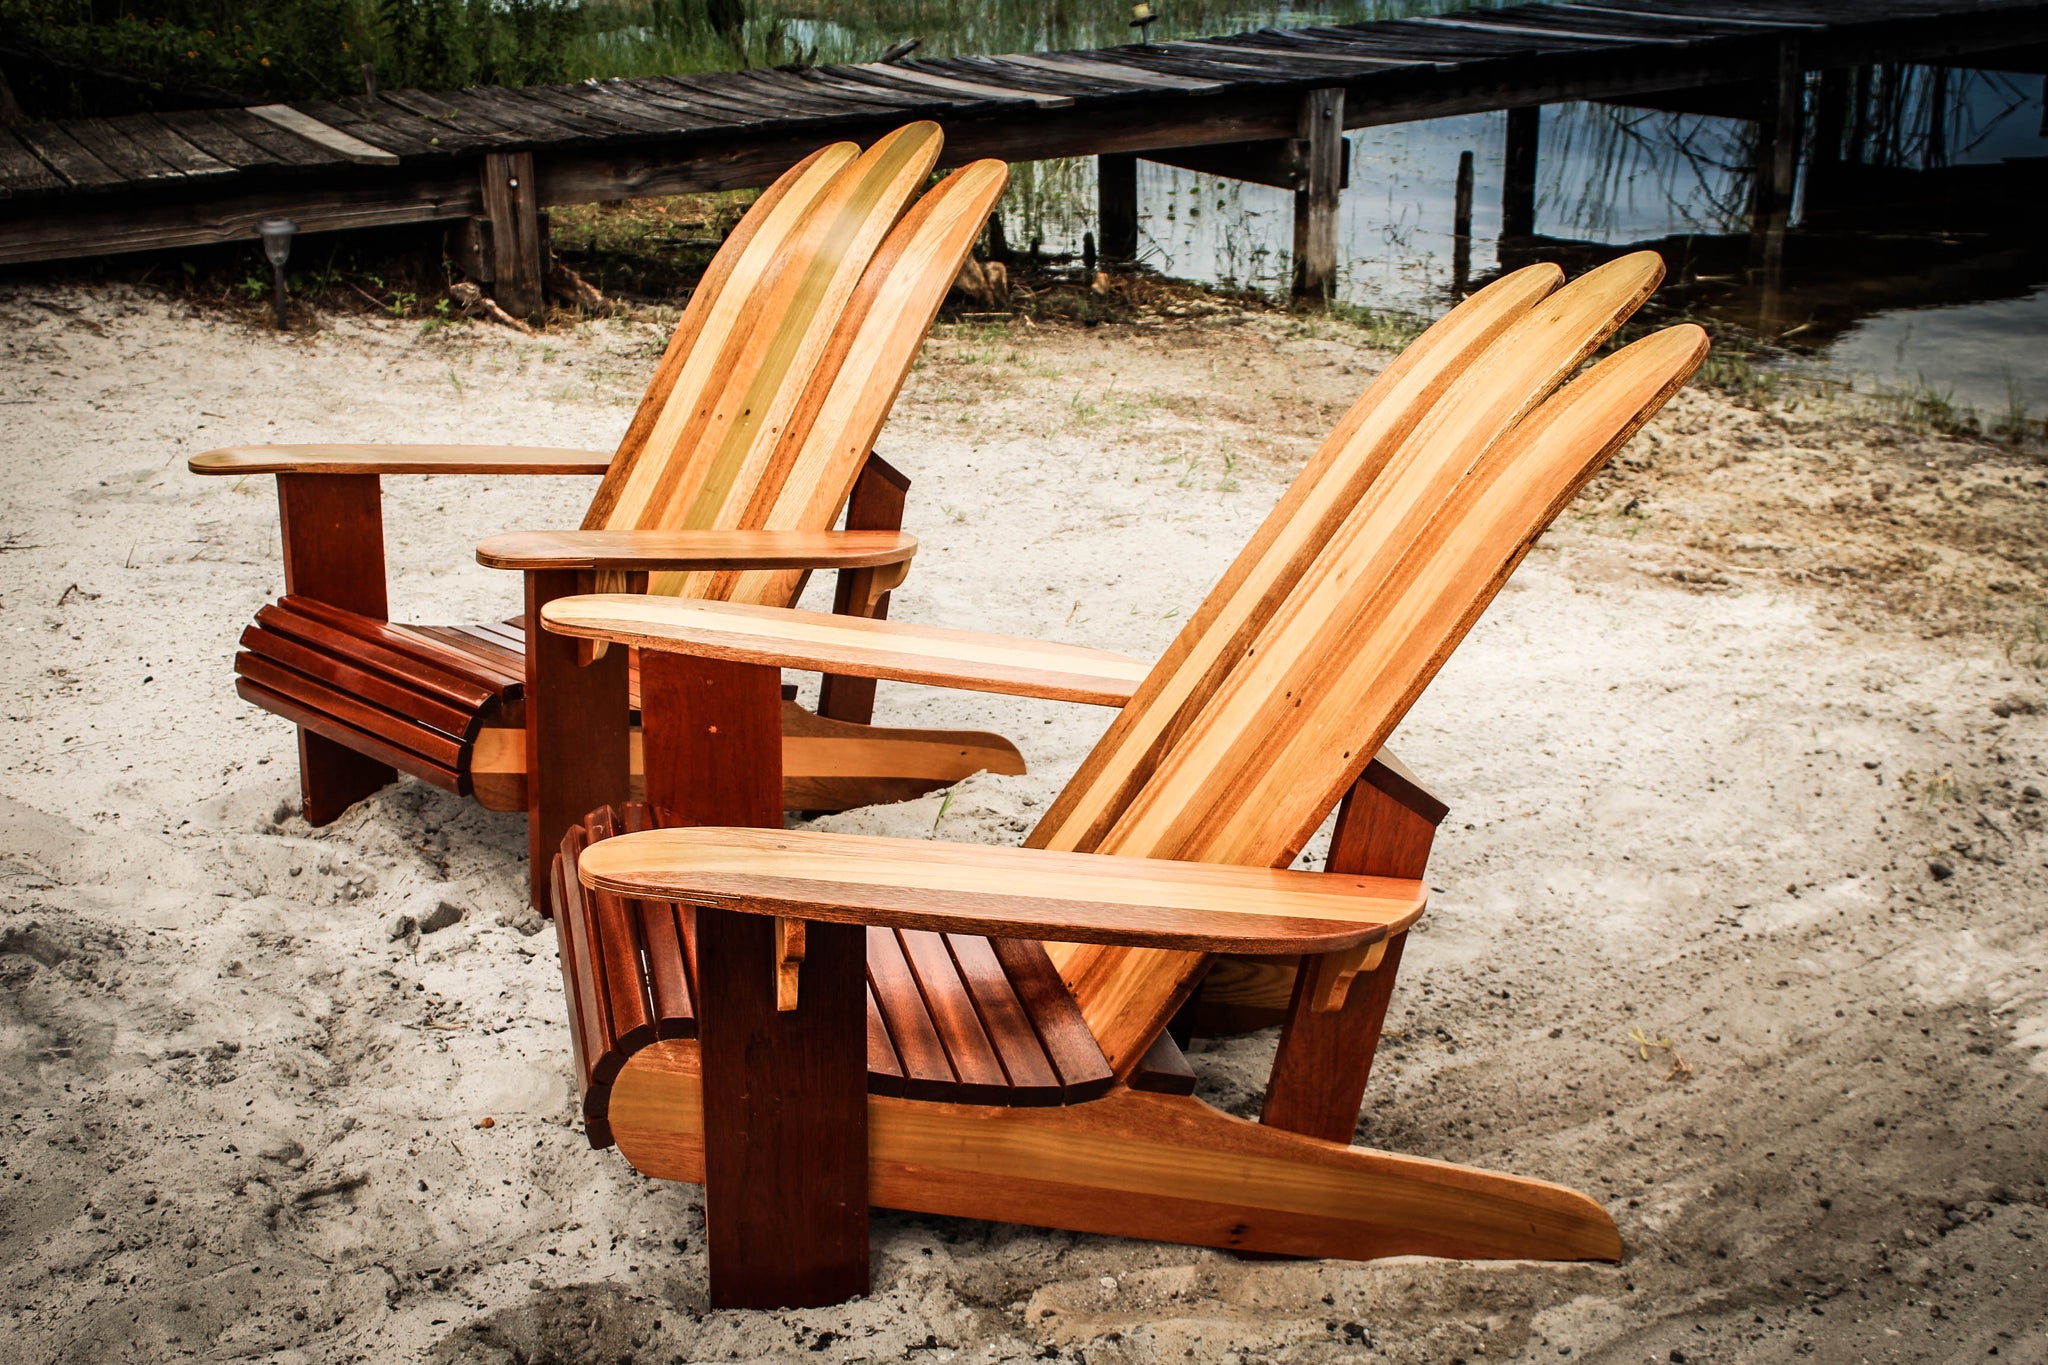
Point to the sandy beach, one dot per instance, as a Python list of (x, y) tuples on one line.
[(1737, 921)]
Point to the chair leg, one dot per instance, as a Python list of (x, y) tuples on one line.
[(332, 778), (1161, 1167), (332, 533), (577, 732), (785, 1156)]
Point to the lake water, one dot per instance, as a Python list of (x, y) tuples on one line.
[(1916, 257)]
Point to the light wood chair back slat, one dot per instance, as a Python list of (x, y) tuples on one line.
[(813, 467), (1290, 537), (1286, 714), (747, 366)]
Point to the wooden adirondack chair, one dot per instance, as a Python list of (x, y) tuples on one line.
[(757, 426), (1013, 1062)]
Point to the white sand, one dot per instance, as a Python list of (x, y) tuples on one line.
[(1699, 757)]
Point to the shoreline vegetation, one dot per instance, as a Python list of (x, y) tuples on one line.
[(68, 57)]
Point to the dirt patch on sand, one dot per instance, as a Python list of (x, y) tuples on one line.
[(1748, 758)]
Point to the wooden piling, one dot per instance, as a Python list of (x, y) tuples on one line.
[(1116, 198), (1461, 229), (1315, 203), (1518, 182), (512, 204)]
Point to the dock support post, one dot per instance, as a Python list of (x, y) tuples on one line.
[(1777, 173), (1116, 200), (1518, 182), (512, 203), (1315, 202), (1461, 229)]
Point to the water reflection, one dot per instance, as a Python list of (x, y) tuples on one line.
[(1914, 258)]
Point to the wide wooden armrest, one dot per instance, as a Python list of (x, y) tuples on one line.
[(852, 645), (659, 550), (1005, 892), (383, 459)]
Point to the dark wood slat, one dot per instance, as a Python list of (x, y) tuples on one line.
[(616, 948), (825, 94), (667, 935), (272, 145), (21, 171), (597, 116), (995, 71), (109, 142), (324, 723), (433, 746), (579, 932), (1069, 1045), (861, 95), (642, 115), (782, 90), (380, 123), (565, 898), (529, 118), (939, 98), (747, 103), (680, 114), (54, 145), (885, 1073), (376, 644), (210, 134), (952, 1012), (927, 1074), (786, 1117), (492, 657), (379, 689), (1537, 37), (1033, 1081), (1646, 27), (463, 128), (714, 109), (162, 141)]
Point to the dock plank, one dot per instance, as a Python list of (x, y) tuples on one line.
[(408, 155), (22, 171), (55, 146)]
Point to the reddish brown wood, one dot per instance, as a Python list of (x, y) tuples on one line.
[(785, 1116), (1163, 1069), (372, 686), (425, 665), (1032, 1079), (927, 1075), (885, 1073), (313, 720), (876, 505), (577, 730), (333, 533), (435, 746), (1084, 1072), (785, 1091), (1325, 1059), (713, 737), (952, 1012)]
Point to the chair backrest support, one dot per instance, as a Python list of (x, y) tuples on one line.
[(1287, 681)]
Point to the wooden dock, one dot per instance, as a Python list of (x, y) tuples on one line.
[(1268, 106)]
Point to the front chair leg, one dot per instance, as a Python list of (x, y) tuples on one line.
[(785, 1089), (578, 736), (332, 531)]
